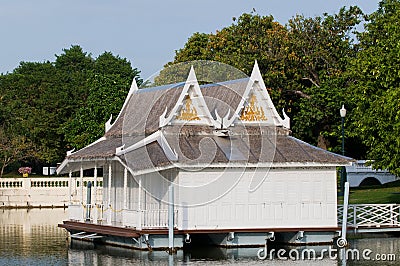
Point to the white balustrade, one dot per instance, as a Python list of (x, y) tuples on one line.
[(43, 191), (157, 218)]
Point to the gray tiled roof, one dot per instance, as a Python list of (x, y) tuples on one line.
[(199, 144)]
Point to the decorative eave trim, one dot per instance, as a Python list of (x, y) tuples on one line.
[(60, 168), (191, 86), (286, 120), (144, 171), (108, 125), (71, 152), (67, 163), (156, 136)]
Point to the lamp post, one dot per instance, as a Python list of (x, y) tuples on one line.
[(342, 169), (343, 115)]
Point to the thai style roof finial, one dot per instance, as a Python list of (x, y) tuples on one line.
[(134, 86), (108, 124), (190, 107)]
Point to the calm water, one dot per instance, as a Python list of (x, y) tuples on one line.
[(31, 237)]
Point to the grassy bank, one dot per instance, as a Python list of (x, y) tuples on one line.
[(389, 193)]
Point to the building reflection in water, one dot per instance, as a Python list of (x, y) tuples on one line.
[(31, 237)]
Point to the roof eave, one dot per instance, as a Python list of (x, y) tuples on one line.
[(74, 164)]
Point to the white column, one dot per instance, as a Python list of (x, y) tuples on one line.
[(81, 182), (109, 192), (139, 210), (94, 201), (125, 188), (70, 186), (171, 218), (343, 234)]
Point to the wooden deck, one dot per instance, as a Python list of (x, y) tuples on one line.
[(99, 229), (132, 232)]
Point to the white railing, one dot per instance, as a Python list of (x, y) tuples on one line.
[(76, 212), (99, 212), (361, 166), (147, 218), (157, 218), (11, 183), (44, 182), (371, 215), (130, 218)]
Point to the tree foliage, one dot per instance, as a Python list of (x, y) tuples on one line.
[(376, 77), (302, 63), (319, 51), (54, 106), (13, 148), (108, 82)]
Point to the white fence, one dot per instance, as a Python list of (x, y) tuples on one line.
[(371, 215), (157, 218)]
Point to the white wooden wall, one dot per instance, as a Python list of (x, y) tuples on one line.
[(288, 197), (157, 196), (155, 199), (117, 191)]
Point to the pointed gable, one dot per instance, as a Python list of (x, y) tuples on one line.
[(132, 90), (191, 108), (256, 106)]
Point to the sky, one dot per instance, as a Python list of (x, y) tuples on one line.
[(147, 33)]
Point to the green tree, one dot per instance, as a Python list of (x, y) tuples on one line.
[(302, 63), (108, 83), (319, 51), (375, 73), (52, 104), (13, 148), (31, 107)]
